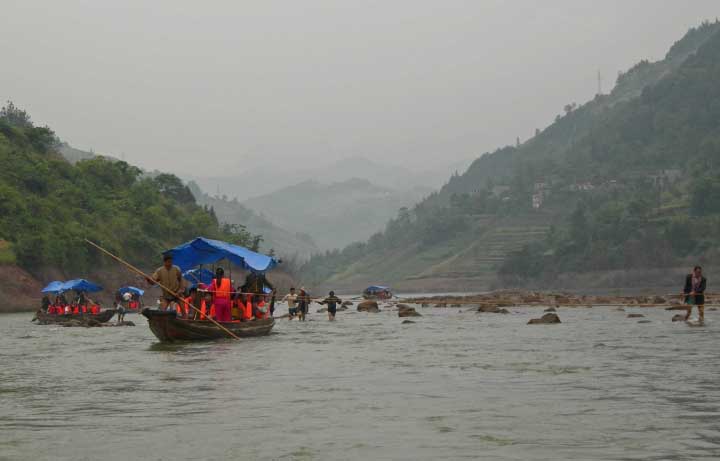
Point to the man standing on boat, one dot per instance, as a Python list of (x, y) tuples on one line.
[(170, 277), (695, 284)]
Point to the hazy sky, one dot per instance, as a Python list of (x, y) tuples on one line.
[(194, 87)]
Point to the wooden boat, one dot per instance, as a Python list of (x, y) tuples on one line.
[(169, 328), (44, 318)]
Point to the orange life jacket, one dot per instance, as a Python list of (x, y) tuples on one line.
[(248, 313), (186, 304), (76, 310), (223, 291), (203, 310), (84, 309), (95, 309)]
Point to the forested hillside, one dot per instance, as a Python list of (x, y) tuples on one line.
[(48, 206), (625, 182)]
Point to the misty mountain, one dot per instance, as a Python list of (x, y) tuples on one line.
[(284, 243), (623, 184), (334, 214), (268, 177)]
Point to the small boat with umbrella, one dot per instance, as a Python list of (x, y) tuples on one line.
[(132, 296), (59, 313), (168, 327), (377, 292)]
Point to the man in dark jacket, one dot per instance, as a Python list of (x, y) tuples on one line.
[(695, 284), (331, 301)]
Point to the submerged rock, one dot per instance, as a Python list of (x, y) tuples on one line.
[(678, 318), (321, 310), (550, 309), (368, 306), (347, 304), (644, 321), (659, 300), (406, 311), (405, 322), (635, 316), (425, 305), (124, 323), (492, 309), (546, 319)]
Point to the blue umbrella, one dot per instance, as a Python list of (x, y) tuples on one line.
[(133, 290), (198, 275), (81, 285), (53, 287)]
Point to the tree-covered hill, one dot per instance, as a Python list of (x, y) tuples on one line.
[(48, 206), (627, 181)]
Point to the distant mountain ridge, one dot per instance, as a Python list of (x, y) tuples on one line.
[(284, 243), (334, 214)]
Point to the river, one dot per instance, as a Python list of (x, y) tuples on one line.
[(453, 385)]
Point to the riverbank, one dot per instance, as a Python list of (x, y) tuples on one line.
[(521, 298)]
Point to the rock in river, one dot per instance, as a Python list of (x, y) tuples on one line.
[(635, 316), (678, 318), (406, 311), (492, 308), (368, 306), (548, 318), (550, 309)]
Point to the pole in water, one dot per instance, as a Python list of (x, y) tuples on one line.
[(147, 277)]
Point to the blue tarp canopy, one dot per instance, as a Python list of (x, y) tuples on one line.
[(376, 288), (53, 287), (207, 251), (195, 276), (133, 290), (80, 285)]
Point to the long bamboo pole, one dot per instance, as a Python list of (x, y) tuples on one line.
[(147, 277)]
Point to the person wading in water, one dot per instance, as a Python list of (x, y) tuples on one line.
[(170, 278), (331, 301), (291, 300), (695, 284), (303, 304)]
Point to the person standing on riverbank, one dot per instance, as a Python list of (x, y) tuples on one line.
[(695, 284), (170, 277), (331, 301)]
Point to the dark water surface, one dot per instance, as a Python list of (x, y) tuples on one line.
[(453, 385)]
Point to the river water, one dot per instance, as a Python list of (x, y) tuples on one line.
[(454, 385)]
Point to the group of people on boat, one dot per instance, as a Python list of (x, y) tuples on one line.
[(255, 300), (60, 306)]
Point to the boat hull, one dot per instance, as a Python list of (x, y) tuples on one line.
[(167, 327), (50, 319)]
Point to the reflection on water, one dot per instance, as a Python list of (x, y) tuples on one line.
[(456, 384)]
